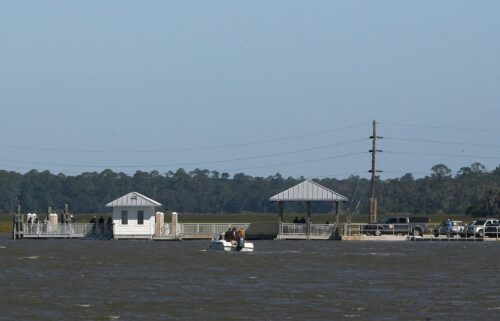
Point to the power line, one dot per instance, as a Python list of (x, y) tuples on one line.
[(52, 171), (245, 168), (184, 149), (445, 155), (440, 142), (406, 172), (337, 174), (443, 127), (187, 163), (294, 163)]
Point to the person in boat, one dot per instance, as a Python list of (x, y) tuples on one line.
[(234, 235), (241, 239), (227, 235), (302, 220), (296, 220)]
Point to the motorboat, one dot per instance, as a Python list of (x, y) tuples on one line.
[(223, 245)]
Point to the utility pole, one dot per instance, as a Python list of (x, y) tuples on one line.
[(374, 171)]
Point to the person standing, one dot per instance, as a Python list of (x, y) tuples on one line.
[(241, 239)]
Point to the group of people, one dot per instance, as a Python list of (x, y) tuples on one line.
[(93, 220), (301, 221), (100, 224), (237, 236)]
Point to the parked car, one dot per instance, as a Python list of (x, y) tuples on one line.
[(449, 228), (493, 230), (478, 229), (398, 225)]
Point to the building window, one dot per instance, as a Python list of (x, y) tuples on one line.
[(140, 217), (124, 217)]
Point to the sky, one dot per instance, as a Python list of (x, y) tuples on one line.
[(259, 87)]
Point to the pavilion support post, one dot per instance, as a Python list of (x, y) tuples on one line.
[(308, 209), (336, 218), (280, 211), (337, 213), (280, 214)]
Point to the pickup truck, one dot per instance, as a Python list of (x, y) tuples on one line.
[(398, 225), (479, 227)]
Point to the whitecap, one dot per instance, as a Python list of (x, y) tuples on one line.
[(82, 305), (2, 247), (385, 254), (34, 257), (352, 315)]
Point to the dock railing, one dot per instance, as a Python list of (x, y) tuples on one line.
[(322, 229), (492, 232), (385, 229), (67, 230), (293, 229), (199, 230), (297, 230)]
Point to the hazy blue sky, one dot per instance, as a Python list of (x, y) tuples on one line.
[(258, 87)]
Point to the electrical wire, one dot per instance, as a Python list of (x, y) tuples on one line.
[(185, 163), (266, 166), (184, 149), (443, 127), (444, 155), (439, 142), (294, 163)]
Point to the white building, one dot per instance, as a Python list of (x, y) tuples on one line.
[(133, 216)]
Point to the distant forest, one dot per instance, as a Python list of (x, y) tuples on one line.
[(472, 190)]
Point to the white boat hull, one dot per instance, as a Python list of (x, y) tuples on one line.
[(222, 245)]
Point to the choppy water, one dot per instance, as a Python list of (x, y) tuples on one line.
[(281, 280)]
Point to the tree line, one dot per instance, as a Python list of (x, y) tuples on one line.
[(472, 190)]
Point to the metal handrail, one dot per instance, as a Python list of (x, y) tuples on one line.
[(187, 229), (302, 229), (383, 228), (293, 228), (97, 230)]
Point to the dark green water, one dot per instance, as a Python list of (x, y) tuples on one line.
[(281, 280)]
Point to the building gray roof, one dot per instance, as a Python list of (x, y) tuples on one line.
[(133, 199), (308, 191)]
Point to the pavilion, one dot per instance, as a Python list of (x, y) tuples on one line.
[(307, 191)]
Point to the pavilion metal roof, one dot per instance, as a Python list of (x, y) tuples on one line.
[(308, 191), (133, 199)]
